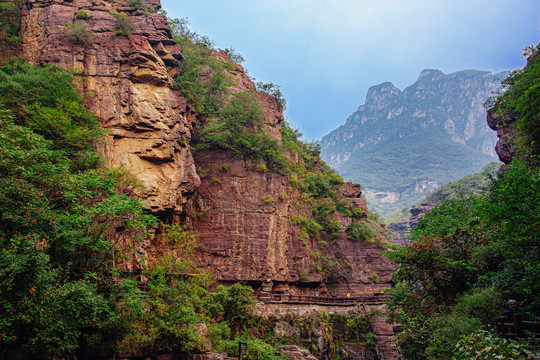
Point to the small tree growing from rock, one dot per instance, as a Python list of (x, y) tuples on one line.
[(123, 25)]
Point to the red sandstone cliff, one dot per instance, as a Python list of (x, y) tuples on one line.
[(127, 81), (243, 217)]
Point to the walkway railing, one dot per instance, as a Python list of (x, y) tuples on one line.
[(290, 298), (375, 298), (512, 325)]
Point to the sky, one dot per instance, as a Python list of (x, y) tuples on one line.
[(326, 54)]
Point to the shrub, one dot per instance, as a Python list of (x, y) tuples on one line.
[(273, 90), (44, 99), (77, 33), (361, 232), (123, 25), (256, 349), (484, 345), (266, 199), (10, 26), (83, 15), (234, 56), (138, 4)]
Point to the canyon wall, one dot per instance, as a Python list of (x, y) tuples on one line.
[(127, 81), (243, 216)]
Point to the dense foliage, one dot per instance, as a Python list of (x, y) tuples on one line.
[(519, 102), (469, 256), (67, 229), (10, 25), (469, 185)]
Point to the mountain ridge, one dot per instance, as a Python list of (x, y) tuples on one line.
[(440, 116)]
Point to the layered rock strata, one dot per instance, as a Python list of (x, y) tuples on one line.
[(127, 81), (242, 216)]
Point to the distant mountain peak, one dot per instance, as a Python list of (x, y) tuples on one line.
[(434, 130), (430, 75), (381, 94)]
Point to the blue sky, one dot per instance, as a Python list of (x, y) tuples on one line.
[(325, 54)]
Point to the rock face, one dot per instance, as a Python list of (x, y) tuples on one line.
[(127, 83), (244, 216), (504, 126), (402, 144), (401, 229)]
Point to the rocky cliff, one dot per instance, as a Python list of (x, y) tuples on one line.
[(245, 217), (127, 81), (402, 144)]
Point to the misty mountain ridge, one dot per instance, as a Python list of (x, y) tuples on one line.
[(402, 144)]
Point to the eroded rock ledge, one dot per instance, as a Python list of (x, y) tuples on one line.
[(241, 216), (127, 81)]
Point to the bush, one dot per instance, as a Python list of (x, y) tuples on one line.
[(519, 101), (10, 26), (123, 25), (484, 345), (77, 33), (256, 349), (138, 4), (361, 232), (44, 99), (234, 56), (57, 229), (83, 15), (273, 90), (237, 303)]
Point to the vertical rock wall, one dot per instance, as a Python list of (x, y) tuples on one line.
[(127, 83), (243, 217)]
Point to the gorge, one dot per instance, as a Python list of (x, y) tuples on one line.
[(247, 202), (156, 204)]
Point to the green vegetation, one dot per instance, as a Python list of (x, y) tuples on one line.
[(63, 230), (273, 90), (483, 345), (10, 25), (444, 162), (400, 140), (337, 331), (56, 220), (519, 101), (44, 100), (233, 121), (123, 25), (83, 15), (234, 56), (360, 232), (70, 228), (469, 256), (77, 33), (470, 185), (138, 4)]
